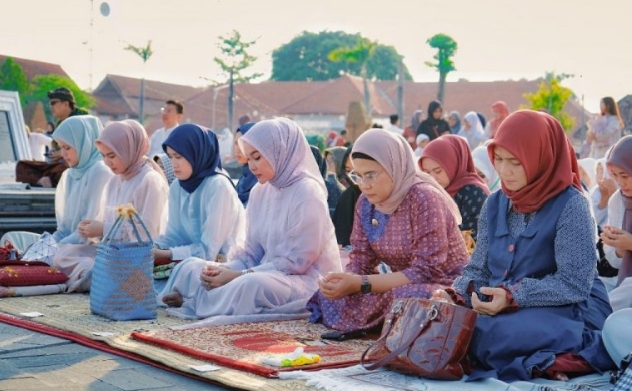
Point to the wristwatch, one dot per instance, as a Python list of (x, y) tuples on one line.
[(246, 271), (365, 287)]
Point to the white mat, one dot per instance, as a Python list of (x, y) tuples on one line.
[(357, 378)]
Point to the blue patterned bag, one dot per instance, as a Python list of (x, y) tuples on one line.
[(122, 278)]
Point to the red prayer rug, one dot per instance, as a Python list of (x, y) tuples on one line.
[(241, 346)]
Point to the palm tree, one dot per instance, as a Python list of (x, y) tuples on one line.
[(360, 53), (446, 48), (144, 53)]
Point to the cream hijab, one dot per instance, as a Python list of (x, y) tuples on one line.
[(393, 153)]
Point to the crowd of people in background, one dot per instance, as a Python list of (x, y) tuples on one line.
[(343, 228)]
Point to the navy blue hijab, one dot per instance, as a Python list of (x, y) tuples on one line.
[(247, 180), (200, 147)]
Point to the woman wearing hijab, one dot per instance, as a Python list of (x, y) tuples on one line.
[(500, 111), (485, 168), (290, 241), (247, 180), (206, 217), (454, 120), (403, 219), (449, 161), (434, 126), (163, 161), (533, 276), (137, 180), (618, 233), (410, 131), (84, 180), (473, 130), (587, 171)]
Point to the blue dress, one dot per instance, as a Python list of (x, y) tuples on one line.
[(547, 260)]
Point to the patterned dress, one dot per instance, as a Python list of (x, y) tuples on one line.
[(420, 239), (470, 200)]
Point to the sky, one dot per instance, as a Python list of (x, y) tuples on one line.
[(497, 39)]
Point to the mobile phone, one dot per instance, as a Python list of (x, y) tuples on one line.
[(343, 335)]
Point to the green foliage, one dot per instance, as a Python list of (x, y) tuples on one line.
[(235, 57), (551, 96), (307, 57), (143, 52), (44, 83), (12, 78), (361, 52), (446, 49)]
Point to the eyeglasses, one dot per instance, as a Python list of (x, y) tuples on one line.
[(53, 102), (368, 179)]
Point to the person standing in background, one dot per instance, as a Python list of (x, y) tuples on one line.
[(171, 116)]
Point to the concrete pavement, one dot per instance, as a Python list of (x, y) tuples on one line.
[(35, 361)]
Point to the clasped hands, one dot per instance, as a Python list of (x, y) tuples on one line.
[(335, 286), (90, 228), (499, 301), (214, 276), (617, 238)]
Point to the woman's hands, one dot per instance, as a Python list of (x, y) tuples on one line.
[(607, 187), (162, 253), (499, 301), (214, 276), (335, 286), (497, 305), (617, 238), (90, 228)]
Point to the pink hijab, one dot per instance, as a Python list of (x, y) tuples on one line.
[(453, 155), (393, 153), (503, 110), (128, 139)]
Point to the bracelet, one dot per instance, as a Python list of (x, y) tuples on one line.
[(246, 271)]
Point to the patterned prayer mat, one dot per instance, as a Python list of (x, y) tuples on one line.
[(68, 316), (242, 346)]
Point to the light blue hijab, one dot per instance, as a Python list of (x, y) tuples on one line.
[(80, 132)]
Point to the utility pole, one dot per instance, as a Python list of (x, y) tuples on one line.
[(400, 90)]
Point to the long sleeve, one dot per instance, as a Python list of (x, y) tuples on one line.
[(616, 212), (150, 200), (433, 227), (601, 215), (608, 130), (202, 224), (77, 200), (575, 257), (476, 273), (362, 259)]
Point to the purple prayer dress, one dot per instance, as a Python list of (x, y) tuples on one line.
[(420, 239)]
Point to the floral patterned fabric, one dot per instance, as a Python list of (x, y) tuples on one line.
[(421, 239)]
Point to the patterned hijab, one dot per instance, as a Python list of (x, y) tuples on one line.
[(282, 143), (80, 132), (128, 139), (199, 146), (452, 153), (393, 153), (538, 141), (621, 157)]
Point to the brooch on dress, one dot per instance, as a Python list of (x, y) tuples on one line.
[(374, 222)]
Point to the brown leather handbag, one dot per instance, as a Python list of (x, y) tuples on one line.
[(423, 337)]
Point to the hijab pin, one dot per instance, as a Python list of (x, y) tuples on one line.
[(374, 222)]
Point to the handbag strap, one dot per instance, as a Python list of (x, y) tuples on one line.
[(430, 316), (130, 213)]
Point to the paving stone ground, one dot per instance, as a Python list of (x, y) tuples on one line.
[(34, 361)]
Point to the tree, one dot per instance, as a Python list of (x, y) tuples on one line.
[(12, 78), (235, 59), (551, 97), (306, 58), (360, 53), (42, 84), (446, 48), (144, 53)]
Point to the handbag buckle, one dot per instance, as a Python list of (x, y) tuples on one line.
[(434, 312), (397, 308)]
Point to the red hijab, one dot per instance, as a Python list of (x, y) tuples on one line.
[(454, 156), (538, 141), (502, 108)]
